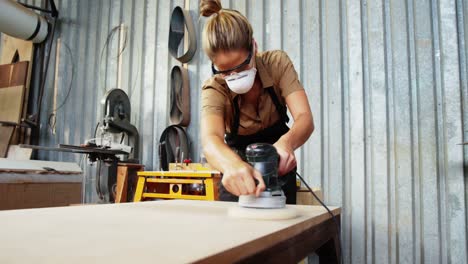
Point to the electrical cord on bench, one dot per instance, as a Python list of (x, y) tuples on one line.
[(338, 229)]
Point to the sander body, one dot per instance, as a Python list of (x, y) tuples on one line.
[(264, 158)]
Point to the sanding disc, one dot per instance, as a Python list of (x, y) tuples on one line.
[(263, 214)]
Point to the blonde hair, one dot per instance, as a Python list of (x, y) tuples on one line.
[(226, 30)]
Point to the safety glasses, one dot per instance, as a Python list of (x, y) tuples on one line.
[(225, 72)]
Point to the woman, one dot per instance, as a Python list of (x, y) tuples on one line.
[(245, 102)]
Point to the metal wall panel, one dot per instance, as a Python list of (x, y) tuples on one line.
[(386, 80)]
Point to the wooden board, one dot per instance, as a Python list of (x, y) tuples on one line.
[(13, 74), (11, 45), (127, 179), (5, 136), (5, 75), (122, 181), (11, 104), (38, 166), (174, 231), (15, 152), (12, 82), (303, 196), (34, 177), (25, 50), (37, 195)]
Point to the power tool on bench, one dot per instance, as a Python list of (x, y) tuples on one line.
[(264, 158)]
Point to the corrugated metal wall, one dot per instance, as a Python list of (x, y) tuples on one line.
[(387, 82)]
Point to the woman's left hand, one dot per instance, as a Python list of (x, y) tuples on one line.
[(287, 160)]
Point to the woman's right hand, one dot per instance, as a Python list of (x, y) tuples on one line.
[(239, 180)]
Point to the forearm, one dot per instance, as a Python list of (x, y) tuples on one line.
[(218, 154), (300, 131)]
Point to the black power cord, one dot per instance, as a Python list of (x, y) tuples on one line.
[(338, 229)]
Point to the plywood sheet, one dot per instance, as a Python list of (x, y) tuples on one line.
[(37, 195), (5, 75), (25, 50), (11, 104), (5, 136), (13, 74), (12, 45), (19, 73), (7, 165), (303, 196), (34, 177), (174, 231), (15, 152), (12, 82), (122, 181)]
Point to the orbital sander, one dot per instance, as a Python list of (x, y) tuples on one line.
[(264, 158)]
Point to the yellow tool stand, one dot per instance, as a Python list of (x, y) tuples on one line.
[(190, 181)]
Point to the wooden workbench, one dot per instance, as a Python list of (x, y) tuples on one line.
[(37, 183), (174, 231)]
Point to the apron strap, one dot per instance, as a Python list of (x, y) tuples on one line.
[(279, 107), (236, 120)]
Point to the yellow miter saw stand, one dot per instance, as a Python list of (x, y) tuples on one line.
[(190, 181)]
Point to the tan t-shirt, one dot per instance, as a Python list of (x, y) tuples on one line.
[(275, 69)]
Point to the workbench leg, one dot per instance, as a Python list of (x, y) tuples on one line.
[(122, 179), (209, 190), (139, 189), (330, 251)]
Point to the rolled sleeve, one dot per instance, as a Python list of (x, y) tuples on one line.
[(288, 80), (213, 102)]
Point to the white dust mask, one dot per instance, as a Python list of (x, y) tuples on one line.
[(241, 82)]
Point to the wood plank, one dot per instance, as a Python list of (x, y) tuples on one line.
[(38, 166), (121, 190), (25, 50), (303, 196), (11, 45), (19, 73), (13, 74), (20, 76), (5, 75), (174, 231), (12, 99), (31, 177), (5, 136), (17, 153), (37, 195), (11, 104)]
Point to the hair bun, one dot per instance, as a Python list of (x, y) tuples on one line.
[(209, 7)]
